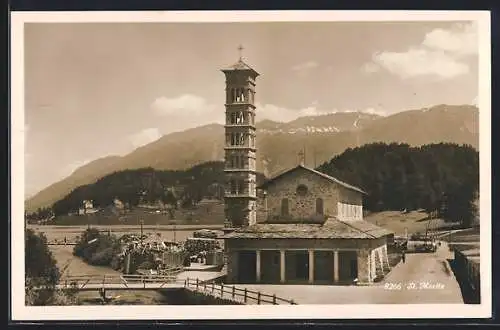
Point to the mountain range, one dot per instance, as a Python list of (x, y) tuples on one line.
[(321, 137)]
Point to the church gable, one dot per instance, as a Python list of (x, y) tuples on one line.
[(299, 176), (303, 171), (302, 195)]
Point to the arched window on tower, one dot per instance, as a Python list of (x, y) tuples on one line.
[(284, 207), (233, 95), (234, 188), (241, 187), (240, 117)]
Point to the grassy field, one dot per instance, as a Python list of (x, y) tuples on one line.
[(64, 255), (470, 235), (398, 222)]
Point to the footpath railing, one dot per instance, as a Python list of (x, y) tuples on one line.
[(82, 281), (236, 294), (61, 243)]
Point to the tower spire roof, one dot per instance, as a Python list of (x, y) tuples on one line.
[(240, 65)]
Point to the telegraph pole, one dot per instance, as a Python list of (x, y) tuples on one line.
[(175, 232), (142, 223)]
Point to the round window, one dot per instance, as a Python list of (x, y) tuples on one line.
[(301, 190)]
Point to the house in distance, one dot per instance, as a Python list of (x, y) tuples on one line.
[(313, 230)]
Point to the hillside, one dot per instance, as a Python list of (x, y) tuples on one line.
[(279, 143)]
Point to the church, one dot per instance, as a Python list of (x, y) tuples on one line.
[(312, 231)]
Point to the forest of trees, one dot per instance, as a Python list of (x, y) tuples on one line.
[(148, 185), (441, 178)]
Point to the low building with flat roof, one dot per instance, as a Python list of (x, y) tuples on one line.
[(312, 232)]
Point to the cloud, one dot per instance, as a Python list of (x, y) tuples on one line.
[(442, 53), (187, 111), (178, 106), (461, 40), (306, 66), (144, 137), (370, 67), (420, 62)]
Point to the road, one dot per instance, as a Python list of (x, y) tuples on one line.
[(423, 278), (433, 280)]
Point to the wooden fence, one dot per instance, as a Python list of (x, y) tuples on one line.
[(82, 281), (236, 294)]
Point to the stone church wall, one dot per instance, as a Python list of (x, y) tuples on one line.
[(302, 206)]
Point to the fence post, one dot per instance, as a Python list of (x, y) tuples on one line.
[(213, 287), (245, 296), (274, 299), (258, 298), (234, 291), (222, 290), (197, 284), (103, 280)]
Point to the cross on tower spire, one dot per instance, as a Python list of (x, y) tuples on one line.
[(240, 51)]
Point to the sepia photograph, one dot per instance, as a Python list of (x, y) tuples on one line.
[(320, 164)]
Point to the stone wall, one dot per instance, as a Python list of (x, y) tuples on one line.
[(232, 266), (364, 266), (349, 196), (304, 205)]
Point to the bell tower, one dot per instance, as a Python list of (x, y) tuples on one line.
[(240, 149)]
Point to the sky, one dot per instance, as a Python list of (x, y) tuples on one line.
[(100, 89)]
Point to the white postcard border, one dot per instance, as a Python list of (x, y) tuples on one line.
[(22, 312)]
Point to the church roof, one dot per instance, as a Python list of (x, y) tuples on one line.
[(240, 66), (323, 175), (330, 229)]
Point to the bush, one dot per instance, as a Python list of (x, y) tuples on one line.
[(197, 245), (146, 265), (96, 248), (103, 257), (42, 274)]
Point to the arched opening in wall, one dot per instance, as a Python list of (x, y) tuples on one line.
[(319, 206), (241, 187), (241, 139), (284, 207), (301, 190), (240, 119)]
